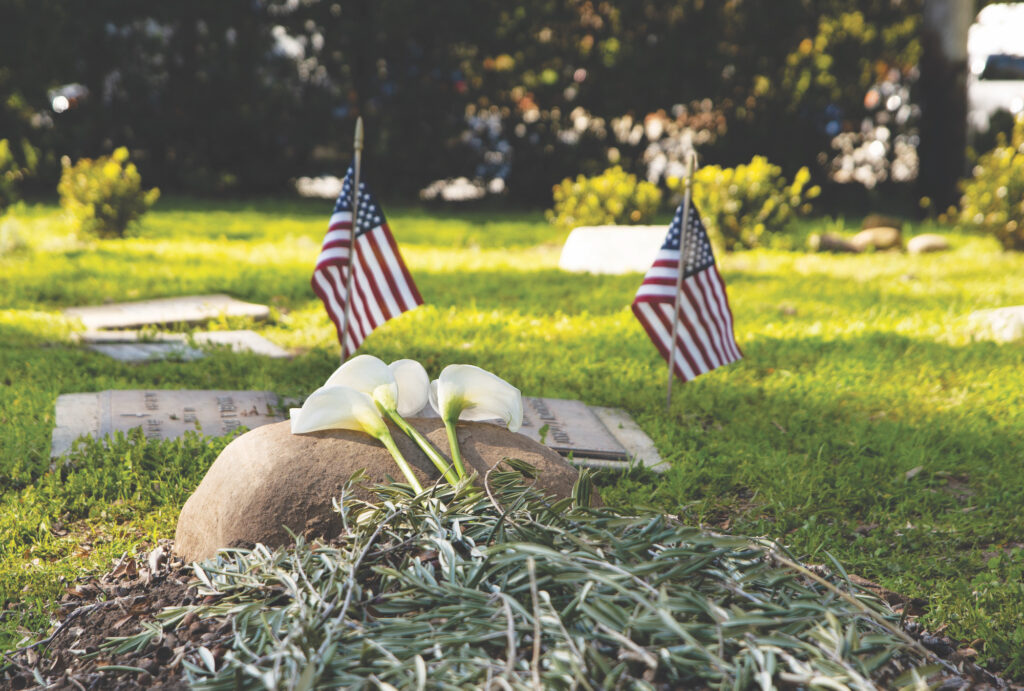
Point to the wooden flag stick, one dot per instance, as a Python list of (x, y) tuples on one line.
[(691, 164), (356, 166)]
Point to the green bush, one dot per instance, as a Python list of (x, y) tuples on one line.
[(612, 198), (104, 196), (12, 172), (993, 199), (742, 204)]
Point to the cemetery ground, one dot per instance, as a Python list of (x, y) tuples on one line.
[(867, 422)]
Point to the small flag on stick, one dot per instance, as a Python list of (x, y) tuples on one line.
[(381, 285), (703, 327)]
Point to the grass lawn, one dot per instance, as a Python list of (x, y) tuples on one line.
[(864, 423)]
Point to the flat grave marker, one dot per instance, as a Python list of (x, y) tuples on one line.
[(188, 309), (588, 436), (162, 414), (612, 249), (135, 346), (146, 352)]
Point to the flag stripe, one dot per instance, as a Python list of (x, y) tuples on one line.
[(723, 315), (702, 314)]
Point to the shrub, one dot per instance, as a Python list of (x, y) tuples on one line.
[(742, 204), (11, 172), (104, 196), (993, 199), (613, 197)]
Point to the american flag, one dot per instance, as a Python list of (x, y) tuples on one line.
[(381, 288), (704, 337)]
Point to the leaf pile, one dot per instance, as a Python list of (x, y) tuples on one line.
[(504, 589)]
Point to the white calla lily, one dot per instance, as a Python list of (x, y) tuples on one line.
[(468, 392), (342, 407), (337, 407), (413, 385), (370, 375), (398, 389)]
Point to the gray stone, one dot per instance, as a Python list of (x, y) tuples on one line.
[(180, 310), (639, 447), (270, 481), (879, 238), (161, 414), (927, 242), (1004, 324), (146, 352), (245, 340), (830, 242), (612, 249)]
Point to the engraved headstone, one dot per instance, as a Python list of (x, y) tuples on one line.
[(612, 249), (589, 436), (180, 310), (569, 427), (161, 414)]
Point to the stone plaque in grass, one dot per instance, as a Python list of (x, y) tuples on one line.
[(133, 346), (612, 249), (188, 309), (587, 435), (161, 414)]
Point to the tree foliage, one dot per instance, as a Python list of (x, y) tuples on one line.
[(246, 94)]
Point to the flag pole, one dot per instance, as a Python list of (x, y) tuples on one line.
[(356, 166), (691, 163)]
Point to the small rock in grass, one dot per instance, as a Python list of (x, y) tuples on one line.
[(879, 238), (269, 481), (1004, 324), (927, 242), (830, 242)]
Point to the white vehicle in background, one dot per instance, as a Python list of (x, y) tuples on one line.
[(995, 53)]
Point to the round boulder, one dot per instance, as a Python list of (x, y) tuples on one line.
[(879, 238), (927, 242), (269, 481)]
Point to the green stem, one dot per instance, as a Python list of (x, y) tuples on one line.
[(439, 461), (389, 442), (453, 443)]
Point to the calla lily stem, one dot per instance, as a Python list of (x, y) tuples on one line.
[(389, 442), (453, 442), (439, 461)]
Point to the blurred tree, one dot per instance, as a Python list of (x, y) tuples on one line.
[(245, 94), (944, 99)]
